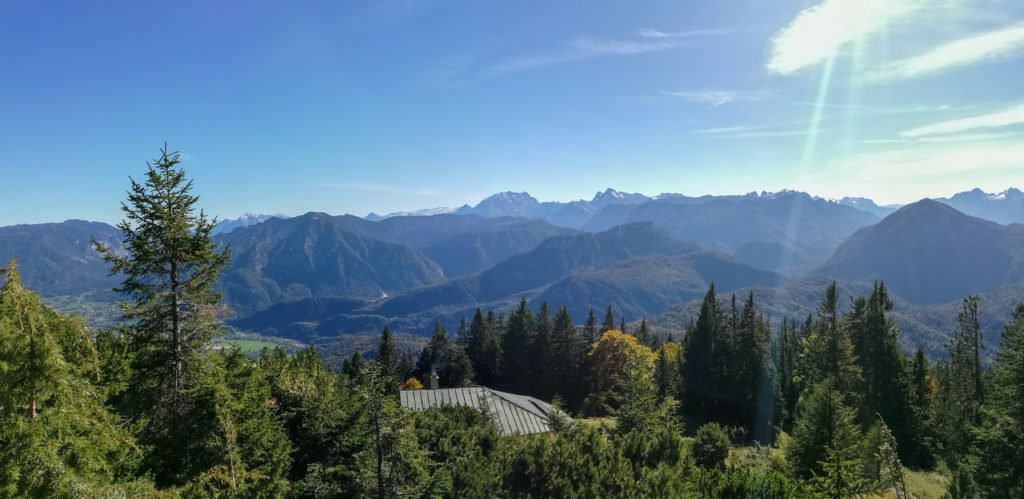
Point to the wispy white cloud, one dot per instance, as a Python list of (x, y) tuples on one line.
[(1011, 116), (579, 49), (750, 133), (468, 68), (716, 98), (727, 129), (927, 160), (653, 33), (985, 47), (818, 32)]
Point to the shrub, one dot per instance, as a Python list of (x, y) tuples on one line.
[(711, 446)]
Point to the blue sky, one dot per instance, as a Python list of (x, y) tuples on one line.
[(351, 107)]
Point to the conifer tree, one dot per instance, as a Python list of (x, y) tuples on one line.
[(698, 386), (788, 383), (171, 265), (961, 395), (515, 343), (998, 441), (393, 465), (829, 352), (609, 320), (434, 355), (666, 375), (1008, 369), (886, 389), (566, 359), (590, 329), (386, 356), (643, 334), (56, 437), (484, 348), (824, 423), (622, 325), (537, 352)]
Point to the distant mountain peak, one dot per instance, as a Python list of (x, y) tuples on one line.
[(612, 196), (244, 220)]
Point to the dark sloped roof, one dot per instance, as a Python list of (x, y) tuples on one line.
[(511, 413)]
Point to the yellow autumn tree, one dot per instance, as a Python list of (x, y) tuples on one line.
[(608, 361), (411, 384)]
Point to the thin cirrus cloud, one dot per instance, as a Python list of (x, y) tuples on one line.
[(1007, 117), (715, 98), (922, 161), (469, 68), (654, 33), (817, 32), (984, 47), (579, 49)]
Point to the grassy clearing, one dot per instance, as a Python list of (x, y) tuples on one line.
[(247, 346)]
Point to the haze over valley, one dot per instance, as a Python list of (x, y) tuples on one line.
[(332, 279)]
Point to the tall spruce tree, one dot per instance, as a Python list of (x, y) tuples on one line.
[(829, 352), (643, 335), (824, 422), (886, 389), (590, 329), (538, 352), (387, 357), (171, 265), (961, 394), (787, 380), (567, 361), (697, 371), (998, 449), (609, 320), (519, 329), (483, 347)]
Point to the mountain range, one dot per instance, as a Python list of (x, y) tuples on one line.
[(317, 276)]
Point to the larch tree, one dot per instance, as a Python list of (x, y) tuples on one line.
[(56, 437)]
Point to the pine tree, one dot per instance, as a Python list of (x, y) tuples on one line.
[(590, 329), (566, 359), (829, 352), (515, 343), (961, 395), (393, 465), (698, 368), (484, 348), (386, 356), (788, 382), (1008, 369), (609, 320), (823, 422), (622, 325), (998, 441), (886, 389), (643, 334), (538, 352), (434, 355), (666, 375), (233, 440)]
